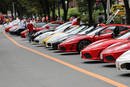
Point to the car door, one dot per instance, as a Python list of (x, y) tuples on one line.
[(104, 34)]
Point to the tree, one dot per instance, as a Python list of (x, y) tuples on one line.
[(87, 7), (126, 2), (65, 6), (90, 11)]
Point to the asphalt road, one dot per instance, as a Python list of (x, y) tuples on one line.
[(24, 66)]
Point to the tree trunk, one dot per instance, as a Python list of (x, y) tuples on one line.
[(126, 2), (47, 8), (53, 11), (65, 9), (90, 6), (59, 8)]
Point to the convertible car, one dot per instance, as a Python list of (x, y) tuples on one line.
[(111, 53), (84, 31), (50, 39), (39, 33), (93, 50), (20, 27), (54, 40), (123, 61), (64, 28), (48, 26), (78, 42), (11, 25)]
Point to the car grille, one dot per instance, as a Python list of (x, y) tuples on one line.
[(87, 55), (126, 66), (110, 58)]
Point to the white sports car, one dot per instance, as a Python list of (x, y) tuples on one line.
[(11, 23), (123, 62), (61, 28)]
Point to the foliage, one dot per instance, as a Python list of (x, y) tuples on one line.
[(73, 11)]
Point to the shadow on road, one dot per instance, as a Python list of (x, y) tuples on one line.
[(39, 46), (65, 54), (93, 62), (125, 75), (110, 66), (58, 51), (50, 49)]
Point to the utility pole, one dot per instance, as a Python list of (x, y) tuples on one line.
[(108, 8), (13, 9)]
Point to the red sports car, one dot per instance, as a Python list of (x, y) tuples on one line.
[(93, 50), (111, 53), (78, 42)]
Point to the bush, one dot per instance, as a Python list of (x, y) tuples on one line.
[(73, 12)]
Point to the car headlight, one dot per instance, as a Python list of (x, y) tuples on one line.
[(101, 56)]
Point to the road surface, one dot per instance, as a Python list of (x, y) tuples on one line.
[(26, 65)]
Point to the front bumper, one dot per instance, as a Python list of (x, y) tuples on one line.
[(123, 65), (111, 57), (91, 54), (68, 47)]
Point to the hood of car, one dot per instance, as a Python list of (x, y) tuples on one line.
[(101, 44), (99, 41), (121, 46), (124, 57), (44, 35), (56, 37)]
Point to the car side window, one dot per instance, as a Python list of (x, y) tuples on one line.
[(107, 30)]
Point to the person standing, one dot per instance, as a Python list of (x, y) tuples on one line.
[(100, 18), (30, 27)]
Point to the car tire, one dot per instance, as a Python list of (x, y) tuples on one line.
[(82, 44)]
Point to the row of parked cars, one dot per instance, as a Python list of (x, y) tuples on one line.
[(108, 43)]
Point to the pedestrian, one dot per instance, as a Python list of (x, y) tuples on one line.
[(43, 19), (31, 31), (47, 19), (100, 18)]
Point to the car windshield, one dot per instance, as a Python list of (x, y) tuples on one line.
[(86, 30), (124, 36), (62, 28), (102, 28), (53, 25), (81, 28), (45, 25), (72, 29), (39, 24), (63, 25)]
